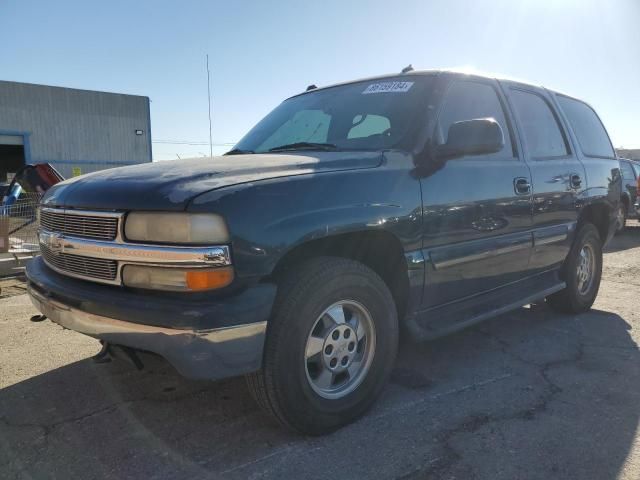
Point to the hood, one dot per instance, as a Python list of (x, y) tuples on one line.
[(170, 185)]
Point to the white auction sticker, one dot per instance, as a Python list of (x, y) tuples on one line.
[(388, 87)]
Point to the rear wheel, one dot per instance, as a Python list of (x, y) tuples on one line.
[(331, 344), (582, 272), (621, 217)]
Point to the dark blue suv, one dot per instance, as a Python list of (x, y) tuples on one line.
[(425, 201)]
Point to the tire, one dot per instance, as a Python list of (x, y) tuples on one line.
[(290, 385), (578, 296), (622, 218)]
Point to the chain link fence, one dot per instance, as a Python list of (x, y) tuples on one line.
[(19, 225)]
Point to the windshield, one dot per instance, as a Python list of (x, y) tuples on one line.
[(371, 115)]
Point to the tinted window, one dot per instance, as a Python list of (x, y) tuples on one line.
[(627, 171), (636, 167), (467, 101), (592, 136), (539, 125)]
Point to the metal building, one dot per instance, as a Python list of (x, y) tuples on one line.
[(77, 131)]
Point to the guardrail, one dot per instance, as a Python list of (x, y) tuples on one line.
[(19, 225)]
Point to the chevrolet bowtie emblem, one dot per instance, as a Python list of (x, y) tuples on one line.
[(53, 241)]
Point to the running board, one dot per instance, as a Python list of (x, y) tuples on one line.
[(439, 321)]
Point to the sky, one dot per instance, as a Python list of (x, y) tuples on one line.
[(262, 52)]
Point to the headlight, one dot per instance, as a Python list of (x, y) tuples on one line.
[(176, 279), (176, 228)]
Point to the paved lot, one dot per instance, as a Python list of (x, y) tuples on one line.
[(531, 394)]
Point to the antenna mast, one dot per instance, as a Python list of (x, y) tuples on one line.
[(209, 96)]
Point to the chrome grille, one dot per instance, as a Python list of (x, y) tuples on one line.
[(80, 225), (84, 266)]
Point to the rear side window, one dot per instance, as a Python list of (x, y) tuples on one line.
[(593, 138), (540, 127), (467, 101), (627, 171)]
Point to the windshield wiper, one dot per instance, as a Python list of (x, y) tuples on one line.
[(304, 146), (239, 151)]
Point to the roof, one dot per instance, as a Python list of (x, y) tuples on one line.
[(69, 89), (417, 73)]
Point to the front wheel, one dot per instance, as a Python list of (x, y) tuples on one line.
[(331, 345), (582, 272)]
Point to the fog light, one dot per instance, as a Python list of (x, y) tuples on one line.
[(176, 279)]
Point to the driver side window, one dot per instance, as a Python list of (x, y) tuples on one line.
[(468, 100), (304, 126)]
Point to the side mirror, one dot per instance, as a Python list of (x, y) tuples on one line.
[(472, 137)]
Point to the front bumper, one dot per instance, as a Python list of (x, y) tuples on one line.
[(224, 338)]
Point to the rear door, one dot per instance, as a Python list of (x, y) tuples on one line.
[(558, 176), (595, 151), (477, 208)]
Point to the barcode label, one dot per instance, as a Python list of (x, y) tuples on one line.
[(388, 87)]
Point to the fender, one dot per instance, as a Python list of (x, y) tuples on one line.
[(268, 219)]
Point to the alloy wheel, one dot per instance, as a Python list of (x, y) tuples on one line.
[(339, 349), (586, 269)]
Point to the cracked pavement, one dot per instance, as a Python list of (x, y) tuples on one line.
[(528, 395)]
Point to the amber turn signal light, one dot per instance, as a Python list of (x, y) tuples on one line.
[(209, 279)]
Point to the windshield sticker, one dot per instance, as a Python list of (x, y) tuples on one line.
[(388, 87)]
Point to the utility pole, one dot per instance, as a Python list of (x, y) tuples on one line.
[(209, 95)]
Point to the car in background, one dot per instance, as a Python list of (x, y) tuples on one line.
[(630, 172)]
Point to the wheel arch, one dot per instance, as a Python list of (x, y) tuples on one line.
[(380, 250), (599, 215)]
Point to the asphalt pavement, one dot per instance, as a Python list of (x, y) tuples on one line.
[(528, 395)]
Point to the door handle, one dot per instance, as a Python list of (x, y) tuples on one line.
[(522, 186), (576, 181)]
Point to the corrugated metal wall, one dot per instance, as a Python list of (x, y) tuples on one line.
[(76, 128)]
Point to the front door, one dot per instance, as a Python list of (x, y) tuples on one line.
[(477, 209)]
